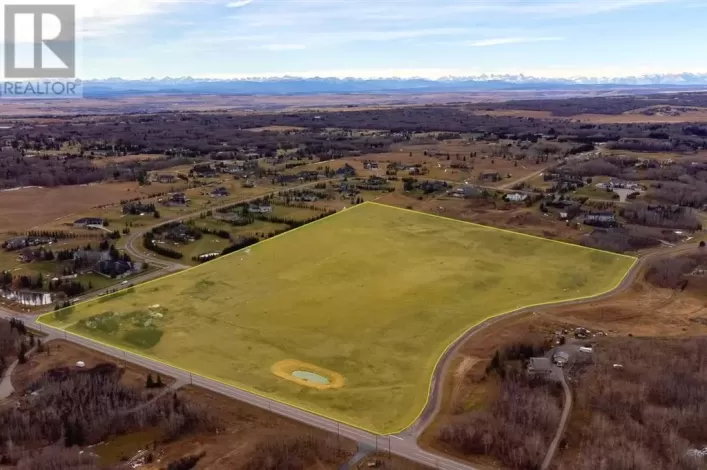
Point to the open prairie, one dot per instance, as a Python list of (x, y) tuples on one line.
[(25, 208), (374, 294)]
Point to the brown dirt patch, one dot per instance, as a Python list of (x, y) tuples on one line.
[(23, 209), (636, 116), (245, 427), (59, 353), (383, 461), (275, 128), (516, 113)]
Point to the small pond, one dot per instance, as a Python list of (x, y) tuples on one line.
[(310, 377)]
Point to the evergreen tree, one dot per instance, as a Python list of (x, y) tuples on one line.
[(21, 358)]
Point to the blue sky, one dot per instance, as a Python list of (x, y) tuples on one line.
[(238, 38)]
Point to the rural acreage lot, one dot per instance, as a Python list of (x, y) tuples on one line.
[(374, 294)]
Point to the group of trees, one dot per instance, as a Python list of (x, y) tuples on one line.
[(11, 335), (516, 429), (645, 416), (78, 408), (517, 426), (295, 453), (670, 272), (674, 217), (613, 105), (148, 241), (182, 136)]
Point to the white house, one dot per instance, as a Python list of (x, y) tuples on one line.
[(516, 197)]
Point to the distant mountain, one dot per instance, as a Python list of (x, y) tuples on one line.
[(288, 85)]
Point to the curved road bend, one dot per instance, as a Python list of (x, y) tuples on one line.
[(435, 398), (135, 252)]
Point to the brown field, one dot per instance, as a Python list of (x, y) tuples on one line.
[(105, 161), (630, 117), (233, 103), (275, 128), (440, 168), (24, 209), (247, 427), (517, 113), (516, 217)]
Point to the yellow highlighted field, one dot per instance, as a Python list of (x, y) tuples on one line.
[(374, 294)]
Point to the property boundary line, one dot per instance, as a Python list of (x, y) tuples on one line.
[(476, 224), (300, 406)]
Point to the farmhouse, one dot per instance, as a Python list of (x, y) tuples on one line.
[(181, 233), (89, 258), (308, 175), (89, 222), (539, 366), (346, 171), (137, 208), (284, 179), (178, 198), (15, 243), (22, 242), (166, 179), (516, 197), (370, 165), (114, 268), (204, 171), (376, 181), (220, 192), (259, 208), (493, 176), (28, 255), (467, 191), (601, 219)]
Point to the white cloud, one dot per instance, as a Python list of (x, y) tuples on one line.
[(510, 40), (239, 3)]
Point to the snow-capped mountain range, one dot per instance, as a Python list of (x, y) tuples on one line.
[(315, 85)]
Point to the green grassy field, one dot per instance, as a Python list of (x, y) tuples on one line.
[(374, 293)]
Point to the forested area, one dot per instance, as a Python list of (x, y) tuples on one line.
[(516, 428), (649, 414), (602, 105), (32, 155), (67, 408)]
